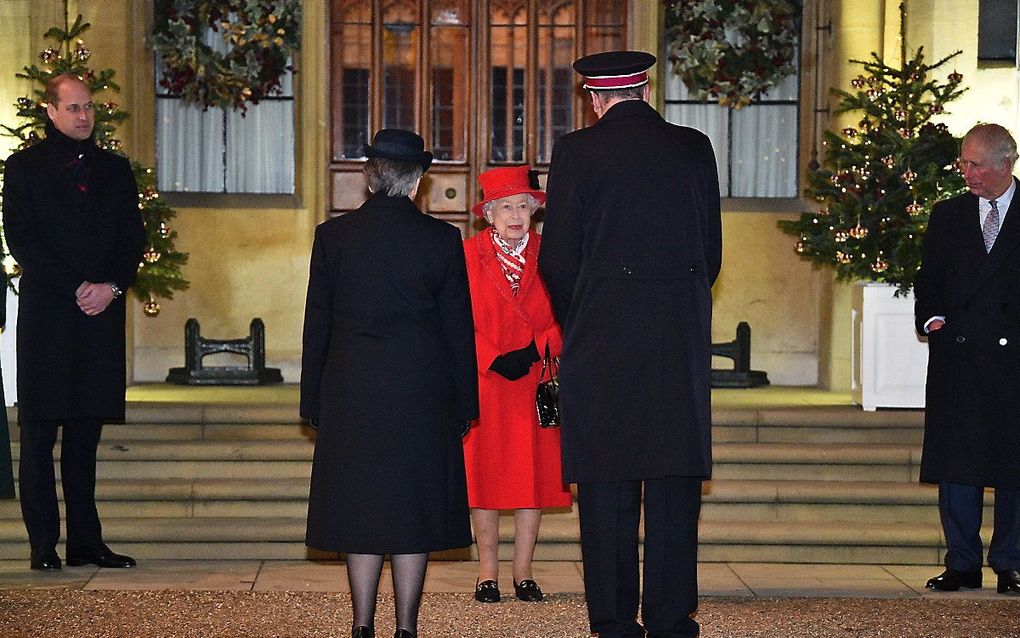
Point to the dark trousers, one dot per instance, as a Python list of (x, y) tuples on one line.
[(37, 483), (961, 508), (609, 513)]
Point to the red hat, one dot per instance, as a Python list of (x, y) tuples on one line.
[(504, 182)]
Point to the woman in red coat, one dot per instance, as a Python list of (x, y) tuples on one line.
[(511, 462)]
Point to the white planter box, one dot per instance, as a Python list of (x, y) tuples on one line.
[(890, 361), (8, 360)]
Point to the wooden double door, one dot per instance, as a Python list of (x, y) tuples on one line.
[(485, 83)]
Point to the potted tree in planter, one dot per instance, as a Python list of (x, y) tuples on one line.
[(875, 189)]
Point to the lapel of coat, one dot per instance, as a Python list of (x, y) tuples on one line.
[(487, 256), (1006, 241), (72, 201)]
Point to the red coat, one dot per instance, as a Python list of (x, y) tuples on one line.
[(511, 462)]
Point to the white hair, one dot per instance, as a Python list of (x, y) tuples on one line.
[(488, 206)]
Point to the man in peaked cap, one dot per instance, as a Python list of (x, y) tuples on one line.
[(631, 247)]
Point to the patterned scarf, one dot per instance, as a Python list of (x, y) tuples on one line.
[(510, 258)]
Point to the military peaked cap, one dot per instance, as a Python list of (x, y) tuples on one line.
[(612, 70)]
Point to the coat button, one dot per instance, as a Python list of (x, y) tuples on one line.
[(627, 271), (694, 269), (1003, 341), (961, 339)]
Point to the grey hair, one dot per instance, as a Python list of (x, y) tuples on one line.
[(487, 206), (996, 140), (392, 177), (629, 93)]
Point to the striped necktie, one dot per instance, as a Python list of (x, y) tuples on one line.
[(991, 226)]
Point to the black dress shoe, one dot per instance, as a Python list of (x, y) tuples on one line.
[(403, 633), (100, 555), (952, 580), (362, 631), (45, 560), (487, 591), (1009, 582), (528, 591)]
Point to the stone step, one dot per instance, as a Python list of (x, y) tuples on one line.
[(138, 412), (282, 538), (724, 500), (844, 424), (123, 459), (825, 424), (201, 432), (816, 462), (210, 481)]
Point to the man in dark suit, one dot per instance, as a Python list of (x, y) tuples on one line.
[(72, 222), (968, 303), (631, 247)]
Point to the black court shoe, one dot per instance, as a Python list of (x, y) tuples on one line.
[(403, 633), (487, 591), (362, 631), (528, 591)]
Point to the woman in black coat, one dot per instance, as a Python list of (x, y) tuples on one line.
[(389, 379)]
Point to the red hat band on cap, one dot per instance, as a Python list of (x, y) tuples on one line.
[(616, 81), (502, 182)]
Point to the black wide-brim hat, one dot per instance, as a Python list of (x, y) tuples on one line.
[(400, 145)]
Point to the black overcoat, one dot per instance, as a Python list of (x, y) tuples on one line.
[(388, 372), (70, 365), (631, 247), (6, 464), (972, 412)]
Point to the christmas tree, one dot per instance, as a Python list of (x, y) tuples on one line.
[(159, 273), (880, 179)]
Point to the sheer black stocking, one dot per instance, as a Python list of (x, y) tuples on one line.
[(363, 571), (408, 582)]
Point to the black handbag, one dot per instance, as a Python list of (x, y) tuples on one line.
[(547, 396)]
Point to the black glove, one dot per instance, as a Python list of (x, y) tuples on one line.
[(515, 364)]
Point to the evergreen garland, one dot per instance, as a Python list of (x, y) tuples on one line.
[(732, 50), (160, 272), (259, 37)]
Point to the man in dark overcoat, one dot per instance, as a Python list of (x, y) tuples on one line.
[(6, 464), (968, 303), (631, 247), (71, 220)]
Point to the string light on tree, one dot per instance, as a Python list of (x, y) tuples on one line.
[(879, 180)]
